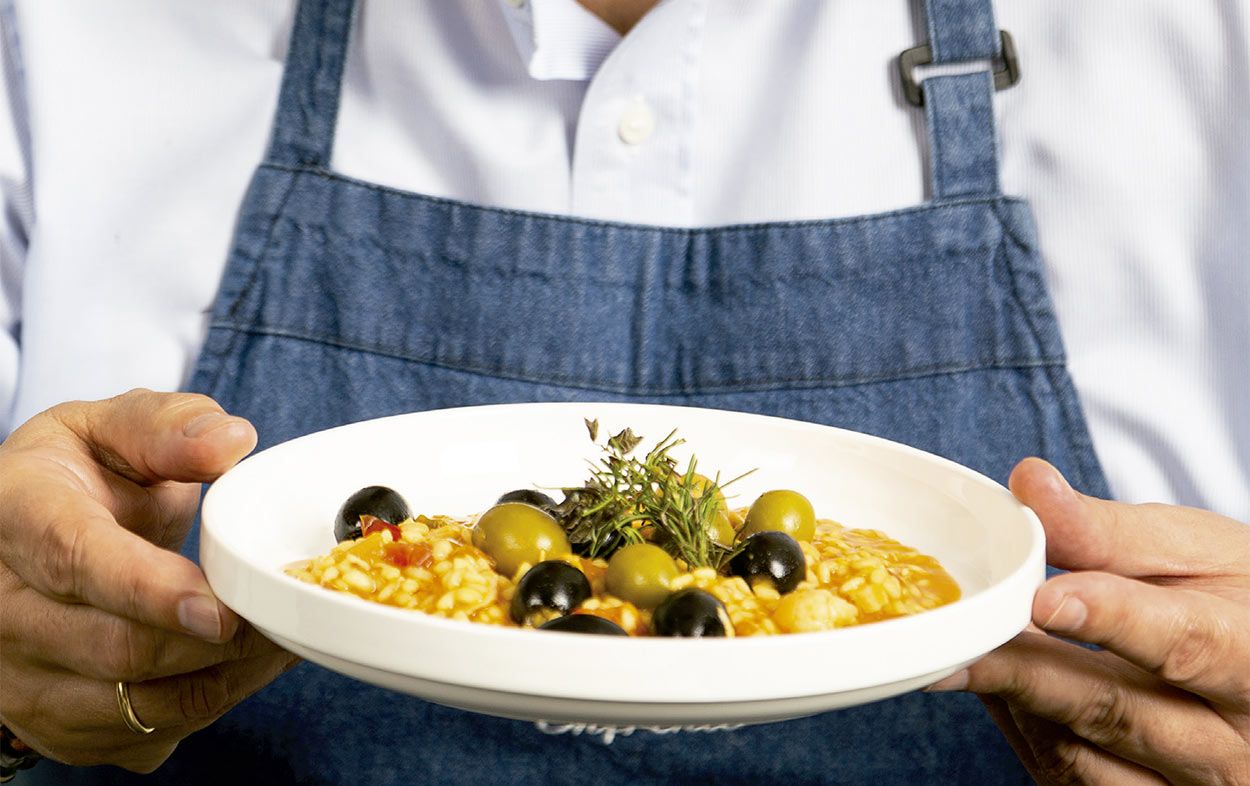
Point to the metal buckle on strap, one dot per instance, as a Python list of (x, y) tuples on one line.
[(1006, 68)]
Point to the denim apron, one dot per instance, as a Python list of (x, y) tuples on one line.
[(344, 300)]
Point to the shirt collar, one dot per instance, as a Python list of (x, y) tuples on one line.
[(558, 39)]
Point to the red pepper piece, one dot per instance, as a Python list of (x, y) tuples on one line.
[(371, 524), (401, 555)]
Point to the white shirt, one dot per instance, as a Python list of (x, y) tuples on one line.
[(137, 123)]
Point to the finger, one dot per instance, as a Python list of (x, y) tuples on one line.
[(93, 747), (1060, 756), (1108, 703), (60, 445), (152, 437), (69, 547), (1086, 533), (162, 513), (189, 702), (1000, 712), (88, 725), (68, 718), (77, 720), (91, 642), (1193, 640)]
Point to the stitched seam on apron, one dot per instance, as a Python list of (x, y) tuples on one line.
[(747, 386), (939, 205), (1013, 277), (1076, 426), (1010, 231), (247, 286), (936, 151)]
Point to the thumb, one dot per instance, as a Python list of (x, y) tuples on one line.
[(151, 437), (1139, 541)]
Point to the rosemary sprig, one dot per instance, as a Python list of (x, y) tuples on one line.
[(629, 500)]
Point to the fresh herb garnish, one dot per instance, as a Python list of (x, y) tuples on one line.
[(629, 499)]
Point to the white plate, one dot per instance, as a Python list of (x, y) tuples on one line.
[(278, 507)]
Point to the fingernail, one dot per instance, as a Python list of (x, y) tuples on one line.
[(199, 615), (1068, 617), (956, 681), (201, 425)]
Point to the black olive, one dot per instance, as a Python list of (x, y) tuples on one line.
[(770, 556), (584, 623), (378, 501), (692, 613), (531, 497), (552, 584)]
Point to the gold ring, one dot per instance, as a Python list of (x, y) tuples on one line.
[(128, 711)]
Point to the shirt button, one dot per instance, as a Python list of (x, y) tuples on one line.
[(516, 3), (637, 123)]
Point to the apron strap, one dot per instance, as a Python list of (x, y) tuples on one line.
[(959, 109), (308, 102)]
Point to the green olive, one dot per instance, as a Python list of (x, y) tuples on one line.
[(700, 485), (719, 529), (781, 511), (641, 573), (514, 533)]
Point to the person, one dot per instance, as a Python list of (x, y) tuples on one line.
[(638, 217)]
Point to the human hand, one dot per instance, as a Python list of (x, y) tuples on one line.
[(94, 500), (1166, 591)]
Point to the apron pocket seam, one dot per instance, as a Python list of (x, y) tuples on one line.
[(738, 386), (257, 262)]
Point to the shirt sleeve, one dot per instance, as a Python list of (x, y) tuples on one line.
[(16, 209)]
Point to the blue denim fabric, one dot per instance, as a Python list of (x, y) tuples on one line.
[(344, 300), (961, 30), (928, 325)]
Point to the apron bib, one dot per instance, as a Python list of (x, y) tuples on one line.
[(344, 300)]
